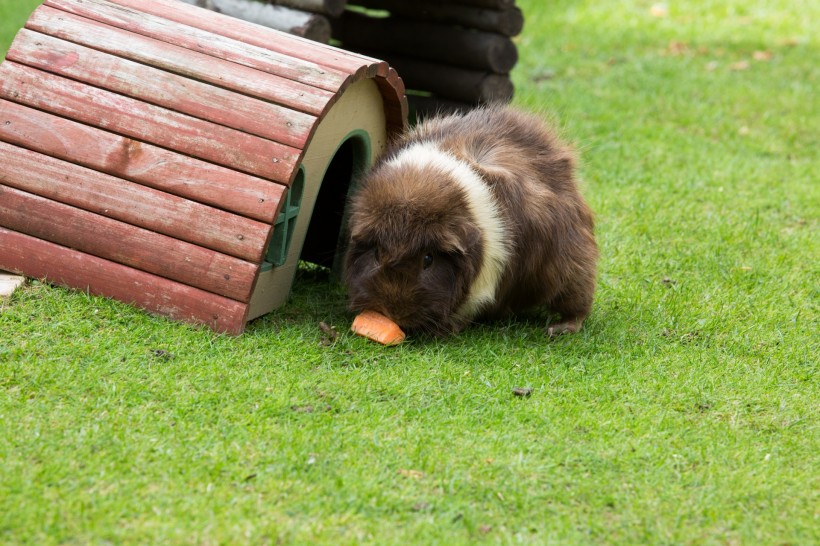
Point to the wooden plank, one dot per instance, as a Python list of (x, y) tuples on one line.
[(9, 283), (219, 71), (178, 60), (63, 266), (126, 244), (153, 124), (137, 17), (134, 204), (432, 41), (161, 88), (139, 162), (293, 46)]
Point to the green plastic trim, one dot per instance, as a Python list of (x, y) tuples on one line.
[(285, 223), (283, 228)]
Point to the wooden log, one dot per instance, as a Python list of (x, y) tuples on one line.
[(158, 87), (153, 124), (508, 22), (178, 60), (334, 8), (491, 4), (449, 82), (139, 162), (131, 15), (300, 23), (63, 266), (432, 41), (424, 106), (134, 204), (128, 245)]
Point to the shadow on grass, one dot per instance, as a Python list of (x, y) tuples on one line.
[(317, 298)]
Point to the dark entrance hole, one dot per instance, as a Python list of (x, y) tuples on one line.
[(326, 234)]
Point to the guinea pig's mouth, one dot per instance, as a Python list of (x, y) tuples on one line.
[(412, 318), (408, 322), (420, 322), (404, 321)]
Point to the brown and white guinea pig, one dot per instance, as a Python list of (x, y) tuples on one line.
[(468, 217)]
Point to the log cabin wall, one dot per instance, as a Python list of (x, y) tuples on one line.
[(451, 54)]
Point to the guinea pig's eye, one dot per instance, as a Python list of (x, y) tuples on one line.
[(427, 261)]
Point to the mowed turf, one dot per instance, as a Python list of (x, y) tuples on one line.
[(686, 411)]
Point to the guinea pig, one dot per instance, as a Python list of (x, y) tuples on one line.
[(469, 217)]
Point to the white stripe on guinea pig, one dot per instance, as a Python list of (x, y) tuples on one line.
[(483, 209)]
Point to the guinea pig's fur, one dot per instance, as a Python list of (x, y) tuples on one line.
[(472, 216)]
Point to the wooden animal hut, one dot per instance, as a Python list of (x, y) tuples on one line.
[(179, 159)]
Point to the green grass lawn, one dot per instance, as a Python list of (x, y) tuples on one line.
[(686, 412)]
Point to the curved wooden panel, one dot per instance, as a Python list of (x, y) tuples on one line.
[(66, 267)]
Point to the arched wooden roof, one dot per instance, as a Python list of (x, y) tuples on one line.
[(131, 130)]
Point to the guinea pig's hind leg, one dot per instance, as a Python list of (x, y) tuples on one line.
[(573, 305), (565, 327)]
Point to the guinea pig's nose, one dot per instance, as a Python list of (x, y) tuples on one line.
[(394, 309)]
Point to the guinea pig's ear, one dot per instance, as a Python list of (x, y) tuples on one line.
[(356, 233), (462, 240)]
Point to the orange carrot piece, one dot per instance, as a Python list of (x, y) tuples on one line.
[(377, 327)]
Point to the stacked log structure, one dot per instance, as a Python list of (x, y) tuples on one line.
[(451, 54)]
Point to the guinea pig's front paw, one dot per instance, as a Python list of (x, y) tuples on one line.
[(565, 327)]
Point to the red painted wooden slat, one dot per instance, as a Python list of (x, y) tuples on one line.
[(139, 162), (134, 204), (126, 244), (63, 266), (258, 35), (201, 100), (172, 58), (153, 124), (141, 22)]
